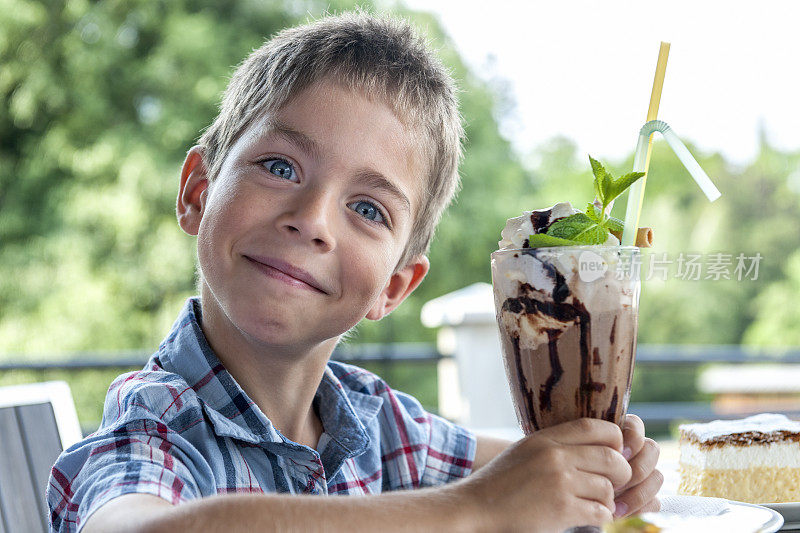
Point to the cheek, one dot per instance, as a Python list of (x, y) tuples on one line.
[(221, 222), (370, 269)]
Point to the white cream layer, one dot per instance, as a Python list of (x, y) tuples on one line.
[(729, 457), (605, 293)]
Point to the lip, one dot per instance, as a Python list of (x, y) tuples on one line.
[(286, 272)]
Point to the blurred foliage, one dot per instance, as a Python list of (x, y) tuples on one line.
[(101, 100)]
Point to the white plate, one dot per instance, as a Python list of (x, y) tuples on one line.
[(789, 510), (773, 520), (736, 517)]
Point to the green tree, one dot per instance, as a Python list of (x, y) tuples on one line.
[(777, 313)]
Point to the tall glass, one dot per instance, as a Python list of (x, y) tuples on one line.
[(568, 318)]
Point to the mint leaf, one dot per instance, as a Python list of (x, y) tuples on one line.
[(599, 173), (543, 240), (580, 228), (606, 187), (595, 234), (568, 227), (614, 224), (619, 185), (610, 223), (593, 212)]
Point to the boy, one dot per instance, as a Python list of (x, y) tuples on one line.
[(314, 196)]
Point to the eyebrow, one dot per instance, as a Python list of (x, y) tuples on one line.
[(377, 180), (298, 138), (369, 177)]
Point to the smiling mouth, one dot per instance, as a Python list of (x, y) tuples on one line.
[(286, 273)]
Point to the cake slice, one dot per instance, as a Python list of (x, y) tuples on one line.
[(755, 459)]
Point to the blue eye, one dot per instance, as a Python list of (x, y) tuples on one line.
[(368, 210), (281, 168)]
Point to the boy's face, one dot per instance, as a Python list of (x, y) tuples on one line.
[(299, 235)]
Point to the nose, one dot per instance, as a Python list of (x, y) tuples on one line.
[(309, 216)]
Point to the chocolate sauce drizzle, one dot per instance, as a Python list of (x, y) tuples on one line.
[(613, 331), (561, 289), (546, 392), (612, 408), (539, 220), (587, 385), (563, 312), (529, 411)]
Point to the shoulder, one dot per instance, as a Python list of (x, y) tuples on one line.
[(149, 393), (355, 378), (399, 405)]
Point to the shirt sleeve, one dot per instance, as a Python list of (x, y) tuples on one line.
[(140, 456), (446, 451)]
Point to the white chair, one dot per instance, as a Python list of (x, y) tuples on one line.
[(37, 422)]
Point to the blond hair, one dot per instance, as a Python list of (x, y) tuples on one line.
[(382, 57)]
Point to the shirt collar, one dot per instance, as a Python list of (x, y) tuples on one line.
[(344, 412)]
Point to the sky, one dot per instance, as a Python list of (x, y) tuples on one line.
[(584, 69)]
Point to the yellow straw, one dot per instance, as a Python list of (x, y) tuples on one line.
[(652, 114)]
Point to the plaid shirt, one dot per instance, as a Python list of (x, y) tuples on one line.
[(182, 428)]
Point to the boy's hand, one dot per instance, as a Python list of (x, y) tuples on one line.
[(639, 494), (557, 478)]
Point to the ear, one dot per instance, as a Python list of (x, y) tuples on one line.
[(192, 192), (400, 285)]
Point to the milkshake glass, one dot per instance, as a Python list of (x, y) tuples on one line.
[(568, 319)]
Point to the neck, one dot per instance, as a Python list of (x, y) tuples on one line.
[(280, 380)]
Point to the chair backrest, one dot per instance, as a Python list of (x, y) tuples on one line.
[(37, 422)]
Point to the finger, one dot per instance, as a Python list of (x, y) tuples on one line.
[(585, 431), (632, 435), (594, 487), (643, 464), (603, 461), (635, 498), (589, 513)]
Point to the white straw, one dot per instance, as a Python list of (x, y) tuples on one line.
[(634, 207), (699, 175)]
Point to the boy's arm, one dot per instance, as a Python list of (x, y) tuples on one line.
[(487, 448), (418, 510), (557, 478)]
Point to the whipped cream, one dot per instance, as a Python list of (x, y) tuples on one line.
[(518, 229), (763, 423)]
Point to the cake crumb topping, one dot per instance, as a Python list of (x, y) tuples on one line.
[(758, 429)]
